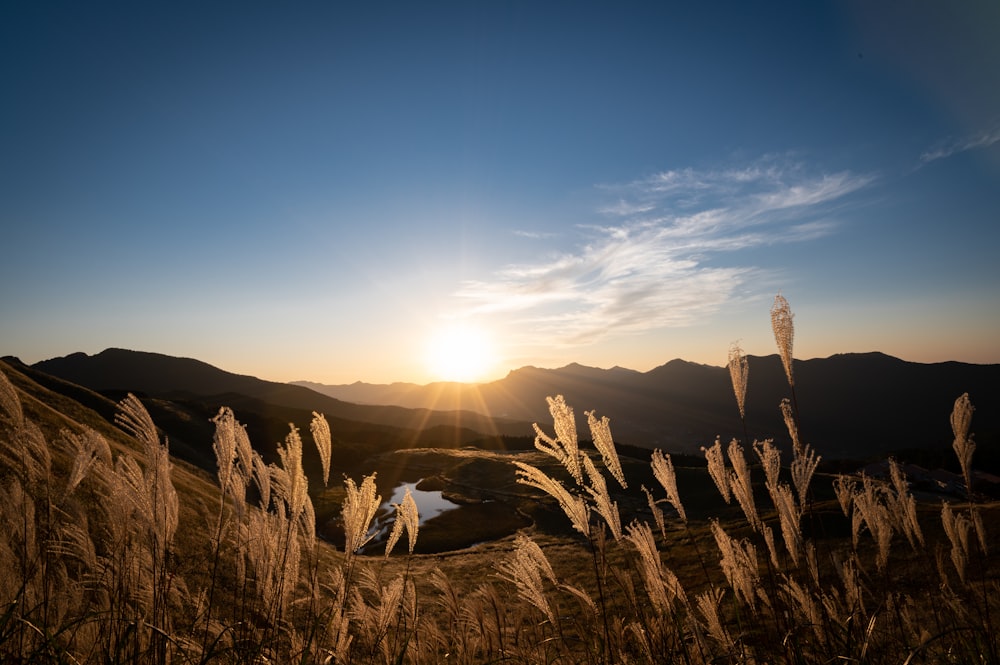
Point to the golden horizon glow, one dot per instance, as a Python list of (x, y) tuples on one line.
[(461, 352)]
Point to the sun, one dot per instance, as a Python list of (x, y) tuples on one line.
[(460, 353)]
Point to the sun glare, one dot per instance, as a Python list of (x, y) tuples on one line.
[(460, 353)]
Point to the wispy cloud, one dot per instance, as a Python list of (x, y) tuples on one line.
[(656, 265), (982, 139), (534, 235), (623, 209)]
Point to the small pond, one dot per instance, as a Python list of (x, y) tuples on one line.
[(445, 525), (430, 504)]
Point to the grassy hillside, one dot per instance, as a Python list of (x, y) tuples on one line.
[(116, 552)]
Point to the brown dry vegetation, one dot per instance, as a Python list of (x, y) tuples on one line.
[(114, 553)]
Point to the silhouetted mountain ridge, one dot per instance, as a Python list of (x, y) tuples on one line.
[(852, 404), (858, 405), (167, 377)]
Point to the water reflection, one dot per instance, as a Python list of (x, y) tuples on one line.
[(445, 525), (429, 504)]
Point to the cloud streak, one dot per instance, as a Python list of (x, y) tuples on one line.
[(656, 264), (533, 235), (983, 139)]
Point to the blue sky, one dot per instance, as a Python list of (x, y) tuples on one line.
[(318, 190)]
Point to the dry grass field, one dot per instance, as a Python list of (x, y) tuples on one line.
[(113, 552)]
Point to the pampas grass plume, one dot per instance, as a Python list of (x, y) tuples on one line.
[(742, 485), (784, 333), (663, 471), (575, 507), (961, 420), (563, 446), (739, 372), (600, 430), (358, 509), (603, 504), (406, 518), (804, 464), (321, 436), (717, 468), (526, 570), (91, 449), (793, 429)]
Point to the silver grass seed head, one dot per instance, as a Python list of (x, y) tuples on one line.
[(160, 503), (575, 507), (657, 513), (262, 477), (964, 446), (793, 429), (844, 487), (873, 511), (717, 468), (789, 516), (708, 607), (770, 460), (527, 569), (564, 447), (532, 552), (307, 522), (603, 505), (803, 467), (563, 419), (640, 535), (412, 520), (961, 416), (406, 519), (134, 419), (600, 431), (26, 453), (897, 477), (290, 455), (956, 527), (771, 549), (92, 449), (738, 562), (784, 333), (739, 372), (741, 484), (359, 508), (663, 471), (321, 436), (165, 499), (244, 451), (224, 446)]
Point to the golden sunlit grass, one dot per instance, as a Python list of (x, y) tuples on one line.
[(104, 560)]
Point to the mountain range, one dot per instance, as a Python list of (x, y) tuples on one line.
[(851, 405)]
